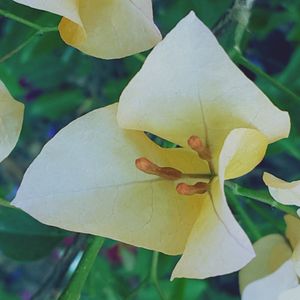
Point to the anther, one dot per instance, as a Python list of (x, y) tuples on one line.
[(146, 166), (197, 145), (188, 190)]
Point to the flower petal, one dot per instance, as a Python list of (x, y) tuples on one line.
[(85, 180), (11, 119), (216, 237), (217, 245), (292, 230), (197, 90), (272, 252), (292, 294), (107, 28), (287, 193), (112, 28), (293, 235), (271, 272), (243, 150), (272, 286)]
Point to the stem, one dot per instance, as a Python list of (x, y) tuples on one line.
[(245, 218), (139, 57), (261, 196), (153, 275), (30, 24), (19, 48), (199, 176), (137, 289), (239, 58), (77, 281)]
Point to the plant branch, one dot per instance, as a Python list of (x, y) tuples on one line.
[(153, 275), (78, 279), (240, 59), (25, 22), (261, 196), (18, 48)]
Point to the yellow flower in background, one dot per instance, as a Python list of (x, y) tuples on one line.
[(11, 119), (275, 272), (107, 28), (287, 193), (102, 175)]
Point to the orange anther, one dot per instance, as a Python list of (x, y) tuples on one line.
[(146, 166), (188, 190), (197, 145)]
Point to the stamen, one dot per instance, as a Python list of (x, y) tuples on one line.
[(197, 145), (189, 190), (148, 167)]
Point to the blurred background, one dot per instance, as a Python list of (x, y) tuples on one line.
[(58, 84)]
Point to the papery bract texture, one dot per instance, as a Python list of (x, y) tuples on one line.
[(271, 272), (11, 119), (85, 178), (105, 29), (287, 193), (197, 90)]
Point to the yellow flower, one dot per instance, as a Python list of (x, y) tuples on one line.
[(107, 28), (102, 174), (275, 272), (287, 193), (11, 118)]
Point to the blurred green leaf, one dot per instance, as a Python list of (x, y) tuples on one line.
[(24, 238), (56, 105)]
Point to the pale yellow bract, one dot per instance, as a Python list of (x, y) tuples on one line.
[(85, 178), (287, 193), (274, 274), (11, 119), (105, 29)]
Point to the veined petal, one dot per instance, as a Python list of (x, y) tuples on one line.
[(272, 286), (112, 28), (217, 245), (287, 193), (272, 252), (189, 86), (11, 119), (66, 8), (292, 294), (85, 180), (216, 236)]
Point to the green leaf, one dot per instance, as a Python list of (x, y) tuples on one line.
[(56, 105), (24, 238)]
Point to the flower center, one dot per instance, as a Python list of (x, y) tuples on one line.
[(169, 173)]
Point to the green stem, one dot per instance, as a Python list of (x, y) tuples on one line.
[(140, 57), (77, 281), (137, 289), (153, 275), (19, 48), (240, 59), (261, 196), (26, 22), (254, 232)]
